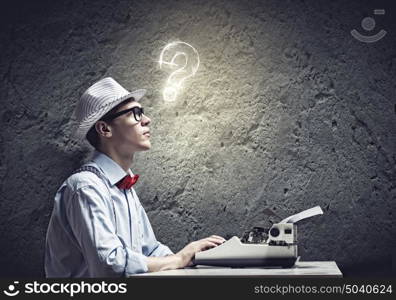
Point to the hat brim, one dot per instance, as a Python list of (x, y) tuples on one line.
[(85, 125)]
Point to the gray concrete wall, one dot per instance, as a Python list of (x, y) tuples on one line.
[(287, 111)]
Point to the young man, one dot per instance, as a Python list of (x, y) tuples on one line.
[(98, 226)]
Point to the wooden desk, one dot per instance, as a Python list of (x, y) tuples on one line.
[(301, 269)]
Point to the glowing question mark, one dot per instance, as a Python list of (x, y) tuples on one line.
[(183, 61)]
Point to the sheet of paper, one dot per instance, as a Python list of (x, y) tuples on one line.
[(303, 215)]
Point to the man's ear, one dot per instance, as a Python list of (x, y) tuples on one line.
[(103, 128)]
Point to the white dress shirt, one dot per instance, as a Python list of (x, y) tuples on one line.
[(97, 229)]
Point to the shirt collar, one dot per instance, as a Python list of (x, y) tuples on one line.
[(110, 168)]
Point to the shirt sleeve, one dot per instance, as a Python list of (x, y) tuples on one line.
[(106, 253), (151, 246)]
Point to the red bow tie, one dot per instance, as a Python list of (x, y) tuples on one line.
[(127, 182)]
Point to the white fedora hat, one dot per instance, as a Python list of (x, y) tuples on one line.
[(98, 100)]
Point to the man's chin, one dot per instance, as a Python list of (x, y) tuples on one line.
[(146, 146)]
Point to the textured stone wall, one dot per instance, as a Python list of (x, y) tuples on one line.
[(287, 111)]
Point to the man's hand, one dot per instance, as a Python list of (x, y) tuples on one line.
[(187, 253), (184, 257)]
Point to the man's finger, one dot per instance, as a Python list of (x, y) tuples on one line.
[(216, 241), (210, 244), (219, 238), (206, 244)]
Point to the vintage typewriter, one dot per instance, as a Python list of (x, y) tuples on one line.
[(259, 247)]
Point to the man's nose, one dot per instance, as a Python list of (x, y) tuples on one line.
[(145, 120)]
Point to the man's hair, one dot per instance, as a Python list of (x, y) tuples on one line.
[(92, 135)]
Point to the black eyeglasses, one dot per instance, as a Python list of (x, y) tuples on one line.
[(137, 113)]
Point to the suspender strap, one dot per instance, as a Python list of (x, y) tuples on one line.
[(89, 169)]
